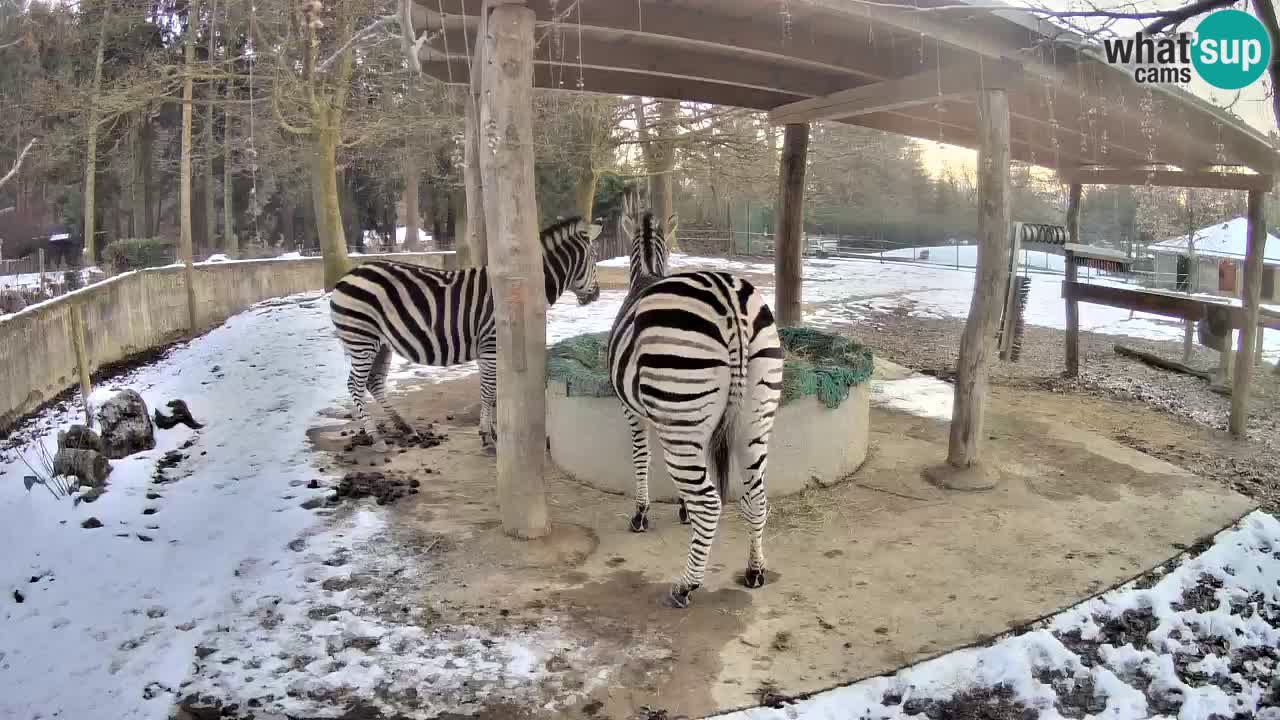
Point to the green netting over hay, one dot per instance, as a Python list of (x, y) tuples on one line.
[(817, 364)]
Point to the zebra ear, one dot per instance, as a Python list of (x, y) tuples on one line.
[(673, 222)]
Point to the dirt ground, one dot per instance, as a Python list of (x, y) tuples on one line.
[(873, 574)]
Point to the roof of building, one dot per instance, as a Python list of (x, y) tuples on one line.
[(907, 66), (1228, 239)]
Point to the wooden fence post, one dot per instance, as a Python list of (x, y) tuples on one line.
[(1073, 305), (40, 261), (82, 361), (962, 470), (789, 248), (515, 267), (1251, 294)]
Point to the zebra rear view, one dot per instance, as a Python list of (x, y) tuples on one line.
[(443, 317), (697, 356)]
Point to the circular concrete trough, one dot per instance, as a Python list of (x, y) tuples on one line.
[(811, 443)]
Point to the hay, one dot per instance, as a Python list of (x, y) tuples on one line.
[(818, 364)]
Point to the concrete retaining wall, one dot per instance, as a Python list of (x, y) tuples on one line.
[(811, 443), (137, 311)]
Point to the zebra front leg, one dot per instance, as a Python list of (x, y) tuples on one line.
[(488, 400), (640, 461)]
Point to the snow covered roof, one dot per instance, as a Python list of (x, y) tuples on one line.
[(1228, 239)]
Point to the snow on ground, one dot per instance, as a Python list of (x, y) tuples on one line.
[(51, 277), (1212, 620), (850, 291), (111, 617)]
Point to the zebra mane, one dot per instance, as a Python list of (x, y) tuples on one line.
[(556, 234), (649, 250)]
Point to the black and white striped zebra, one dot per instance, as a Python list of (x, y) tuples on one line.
[(696, 355), (443, 317)]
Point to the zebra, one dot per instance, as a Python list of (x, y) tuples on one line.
[(697, 356), (443, 317)]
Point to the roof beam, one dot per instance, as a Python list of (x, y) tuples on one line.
[(1091, 175), (927, 87)]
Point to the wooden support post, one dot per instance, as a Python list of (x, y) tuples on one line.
[(789, 249), (1188, 337), (1258, 346), (1224, 359), (82, 361), (475, 248), (962, 470), (1250, 296), (515, 267), (40, 261), (1073, 305)]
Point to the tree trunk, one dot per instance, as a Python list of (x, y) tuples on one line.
[(516, 271), (585, 190), (789, 250), (137, 185), (1250, 296), (184, 165), (91, 149), (412, 216), (989, 288), (231, 242), (324, 198), (210, 197)]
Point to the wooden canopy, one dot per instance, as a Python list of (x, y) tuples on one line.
[(884, 64)]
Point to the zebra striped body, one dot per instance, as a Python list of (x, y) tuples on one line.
[(442, 317), (696, 355)]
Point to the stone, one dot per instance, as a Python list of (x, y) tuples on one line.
[(126, 425), (79, 437)]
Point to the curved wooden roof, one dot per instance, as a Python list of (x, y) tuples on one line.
[(881, 65)]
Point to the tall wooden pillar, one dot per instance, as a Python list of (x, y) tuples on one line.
[(962, 470), (789, 249), (474, 250), (1250, 296), (1073, 305), (515, 266)]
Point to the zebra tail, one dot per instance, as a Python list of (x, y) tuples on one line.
[(718, 452)]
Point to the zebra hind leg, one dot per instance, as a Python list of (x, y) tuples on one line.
[(640, 461), (754, 507), (688, 468), (378, 388)]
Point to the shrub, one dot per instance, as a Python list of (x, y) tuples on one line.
[(137, 253)]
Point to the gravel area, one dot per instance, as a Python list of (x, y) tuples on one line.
[(1252, 467)]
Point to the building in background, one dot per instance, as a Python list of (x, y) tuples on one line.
[(1218, 265)]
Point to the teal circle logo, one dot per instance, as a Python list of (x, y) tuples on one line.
[(1232, 49)]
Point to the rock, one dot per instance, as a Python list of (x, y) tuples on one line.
[(88, 465), (91, 523), (79, 437), (181, 416), (126, 425)]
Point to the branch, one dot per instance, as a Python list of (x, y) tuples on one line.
[(1267, 13), (368, 31), (1184, 13), (17, 164)]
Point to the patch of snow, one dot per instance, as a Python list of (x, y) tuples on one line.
[(918, 395), (1244, 559)]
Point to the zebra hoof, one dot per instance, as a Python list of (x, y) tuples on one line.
[(684, 514), (754, 578), (679, 598), (639, 522)]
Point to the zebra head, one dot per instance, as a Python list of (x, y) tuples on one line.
[(648, 245), (569, 260)]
